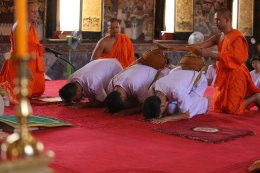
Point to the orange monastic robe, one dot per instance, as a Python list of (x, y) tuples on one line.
[(233, 82), (122, 50), (35, 65)]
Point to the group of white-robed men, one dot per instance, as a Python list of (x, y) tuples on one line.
[(166, 94)]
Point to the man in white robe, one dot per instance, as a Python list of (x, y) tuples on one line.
[(130, 88), (179, 90), (91, 82), (255, 74)]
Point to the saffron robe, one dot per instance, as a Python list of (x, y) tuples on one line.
[(122, 50), (233, 81), (35, 65)]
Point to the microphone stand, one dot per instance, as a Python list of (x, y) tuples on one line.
[(58, 56)]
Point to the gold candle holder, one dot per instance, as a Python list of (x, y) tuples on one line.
[(22, 143), (21, 152)]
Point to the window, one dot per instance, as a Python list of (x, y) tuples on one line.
[(169, 15), (234, 14), (68, 13)]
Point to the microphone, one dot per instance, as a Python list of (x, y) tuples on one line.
[(53, 51), (58, 55)]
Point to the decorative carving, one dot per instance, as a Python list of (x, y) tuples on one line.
[(245, 16), (184, 16), (204, 11), (136, 17)]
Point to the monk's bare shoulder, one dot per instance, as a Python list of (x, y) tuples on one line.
[(102, 40)]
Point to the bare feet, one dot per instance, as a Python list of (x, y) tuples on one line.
[(255, 166)]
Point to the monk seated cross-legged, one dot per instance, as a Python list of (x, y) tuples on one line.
[(115, 45)]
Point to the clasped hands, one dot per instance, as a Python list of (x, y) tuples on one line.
[(197, 49)]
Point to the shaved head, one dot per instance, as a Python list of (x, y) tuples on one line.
[(223, 12)]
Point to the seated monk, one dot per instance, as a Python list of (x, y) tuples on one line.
[(115, 45), (35, 64)]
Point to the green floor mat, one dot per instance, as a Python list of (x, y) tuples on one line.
[(33, 121)]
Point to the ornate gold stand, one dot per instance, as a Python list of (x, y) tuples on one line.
[(21, 152)]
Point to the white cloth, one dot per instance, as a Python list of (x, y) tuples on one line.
[(1, 105), (135, 80), (95, 76), (256, 78), (211, 74), (179, 86)]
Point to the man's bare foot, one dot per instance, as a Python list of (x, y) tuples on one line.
[(255, 166)]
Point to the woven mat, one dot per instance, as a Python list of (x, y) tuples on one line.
[(9, 122)]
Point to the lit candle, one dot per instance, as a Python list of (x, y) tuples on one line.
[(21, 30)]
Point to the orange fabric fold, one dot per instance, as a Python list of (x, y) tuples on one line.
[(35, 65), (233, 81), (122, 50)]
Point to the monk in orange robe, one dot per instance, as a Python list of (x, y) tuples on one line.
[(36, 63), (234, 89), (116, 45)]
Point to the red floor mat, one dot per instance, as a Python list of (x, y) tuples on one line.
[(205, 132)]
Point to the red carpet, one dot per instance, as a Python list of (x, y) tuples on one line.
[(102, 143)]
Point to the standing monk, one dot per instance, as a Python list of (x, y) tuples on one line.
[(36, 63), (234, 88), (116, 45)]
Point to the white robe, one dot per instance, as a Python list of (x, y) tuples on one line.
[(256, 78), (95, 76), (211, 74), (136, 81), (179, 88)]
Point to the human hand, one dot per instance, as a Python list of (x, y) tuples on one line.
[(193, 48), (158, 120), (198, 51)]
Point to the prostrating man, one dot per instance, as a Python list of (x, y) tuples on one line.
[(234, 89), (179, 95), (129, 89), (35, 64), (115, 45), (90, 82)]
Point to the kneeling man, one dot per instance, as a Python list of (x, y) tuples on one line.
[(90, 82), (179, 95)]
